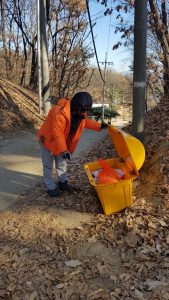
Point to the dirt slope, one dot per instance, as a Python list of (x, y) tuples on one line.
[(18, 107), (154, 184)]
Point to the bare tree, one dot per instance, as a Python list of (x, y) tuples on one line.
[(158, 22), (68, 30), (20, 36), (8, 66)]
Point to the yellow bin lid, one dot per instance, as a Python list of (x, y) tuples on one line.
[(128, 148)]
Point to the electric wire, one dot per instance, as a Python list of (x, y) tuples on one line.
[(91, 29)]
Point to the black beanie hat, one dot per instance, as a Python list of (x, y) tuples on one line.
[(81, 101)]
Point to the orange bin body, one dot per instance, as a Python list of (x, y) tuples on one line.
[(115, 197)]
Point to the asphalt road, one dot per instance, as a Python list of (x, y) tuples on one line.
[(20, 162)]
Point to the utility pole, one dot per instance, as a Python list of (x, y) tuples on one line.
[(139, 76), (105, 63), (39, 59), (44, 56)]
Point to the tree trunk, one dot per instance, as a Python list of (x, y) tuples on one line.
[(166, 82), (161, 30), (22, 81), (4, 39), (33, 76)]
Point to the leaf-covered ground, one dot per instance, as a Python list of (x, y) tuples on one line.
[(18, 107), (66, 248)]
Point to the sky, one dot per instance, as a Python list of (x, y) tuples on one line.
[(122, 57)]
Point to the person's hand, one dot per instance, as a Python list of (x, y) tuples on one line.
[(104, 125), (66, 155)]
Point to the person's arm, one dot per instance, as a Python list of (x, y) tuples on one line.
[(94, 125), (58, 132), (91, 124)]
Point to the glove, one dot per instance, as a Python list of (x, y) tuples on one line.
[(104, 125), (66, 155)]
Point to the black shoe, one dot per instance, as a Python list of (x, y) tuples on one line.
[(53, 193), (65, 187)]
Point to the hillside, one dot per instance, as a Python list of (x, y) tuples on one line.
[(18, 107)]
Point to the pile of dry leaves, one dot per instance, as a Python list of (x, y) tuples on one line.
[(155, 173), (66, 248), (18, 107)]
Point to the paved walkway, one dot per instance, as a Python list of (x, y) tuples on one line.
[(20, 163)]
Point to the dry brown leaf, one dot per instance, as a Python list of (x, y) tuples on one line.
[(73, 263), (139, 295), (33, 296)]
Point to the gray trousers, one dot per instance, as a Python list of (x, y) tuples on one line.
[(60, 164)]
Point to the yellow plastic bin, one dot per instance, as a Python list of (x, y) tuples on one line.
[(131, 155)]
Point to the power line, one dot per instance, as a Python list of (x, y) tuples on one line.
[(91, 29)]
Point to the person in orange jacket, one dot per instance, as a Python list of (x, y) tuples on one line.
[(59, 136)]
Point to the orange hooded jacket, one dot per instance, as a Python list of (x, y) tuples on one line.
[(54, 133)]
